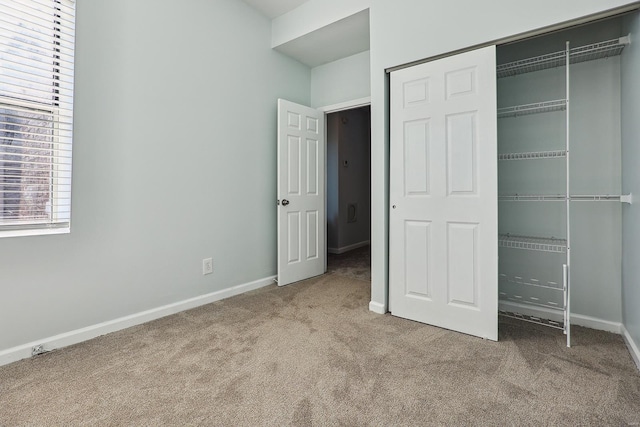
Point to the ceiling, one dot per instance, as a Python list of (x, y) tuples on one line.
[(327, 44), (335, 41), (274, 8)]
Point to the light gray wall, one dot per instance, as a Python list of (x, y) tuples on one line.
[(343, 80), (631, 180), (174, 161), (410, 30)]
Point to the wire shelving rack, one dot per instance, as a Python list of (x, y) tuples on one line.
[(560, 246), (532, 243), (533, 155), (579, 54), (534, 108), (622, 198)]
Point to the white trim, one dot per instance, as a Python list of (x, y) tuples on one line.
[(348, 248), (79, 335), (632, 346), (376, 307), (24, 232), (595, 323), (576, 319), (347, 105)]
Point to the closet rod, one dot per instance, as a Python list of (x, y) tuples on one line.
[(622, 198)]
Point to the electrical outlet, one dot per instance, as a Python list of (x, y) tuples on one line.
[(207, 266), (37, 349)]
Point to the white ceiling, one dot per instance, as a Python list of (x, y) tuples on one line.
[(335, 41), (330, 43), (274, 8)]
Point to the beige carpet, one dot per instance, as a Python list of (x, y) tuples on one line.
[(312, 354), (355, 263)]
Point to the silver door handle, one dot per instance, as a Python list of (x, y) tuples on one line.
[(285, 202)]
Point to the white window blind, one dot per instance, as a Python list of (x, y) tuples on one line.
[(36, 115)]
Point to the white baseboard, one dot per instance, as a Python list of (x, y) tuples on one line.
[(595, 323), (73, 337), (376, 307), (576, 319), (632, 346), (344, 249)]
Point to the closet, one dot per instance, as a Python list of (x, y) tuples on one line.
[(559, 161), (505, 182)]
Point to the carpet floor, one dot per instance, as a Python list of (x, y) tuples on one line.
[(355, 263), (312, 354)]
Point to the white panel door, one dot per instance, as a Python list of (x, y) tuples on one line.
[(443, 263), (301, 193)]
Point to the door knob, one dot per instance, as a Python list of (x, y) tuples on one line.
[(285, 202)]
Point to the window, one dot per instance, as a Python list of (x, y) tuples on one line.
[(36, 115)]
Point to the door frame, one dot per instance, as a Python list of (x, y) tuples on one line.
[(326, 110)]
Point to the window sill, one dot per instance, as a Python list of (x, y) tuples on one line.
[(34, 232)]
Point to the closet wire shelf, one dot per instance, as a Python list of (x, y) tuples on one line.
[(535, 108), (533, 198), (623, 198), (517, 280), (532, 243), (556, 154), (579, 54), (531, 319), (532, 301)]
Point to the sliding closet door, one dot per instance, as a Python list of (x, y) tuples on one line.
[(443, 193)]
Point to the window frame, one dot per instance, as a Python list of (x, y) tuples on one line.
[(59, 143)]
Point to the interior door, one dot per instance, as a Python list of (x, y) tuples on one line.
[(301, 193), (443, 264)]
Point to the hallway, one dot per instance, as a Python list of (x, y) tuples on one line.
[(355, 263)]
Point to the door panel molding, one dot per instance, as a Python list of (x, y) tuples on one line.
[(301, 182), (443, 221)]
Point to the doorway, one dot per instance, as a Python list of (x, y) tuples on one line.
[(349, 192), (302, 181)]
